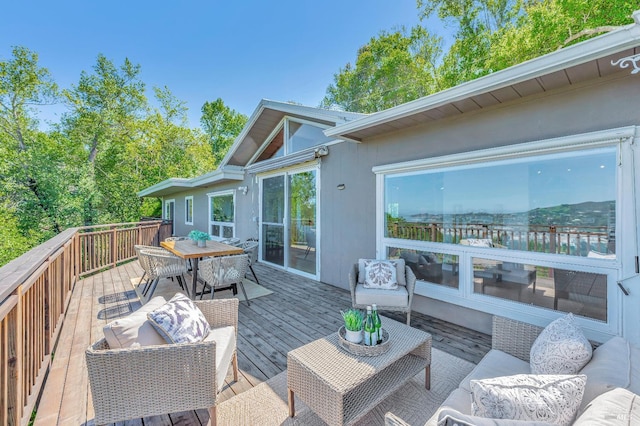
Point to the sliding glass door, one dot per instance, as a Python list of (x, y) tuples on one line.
[(288, 221)]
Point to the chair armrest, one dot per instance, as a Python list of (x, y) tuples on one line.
[(220, 312), (144, 381), (514, 337), (411, 283), (391, 419), (353, 281)]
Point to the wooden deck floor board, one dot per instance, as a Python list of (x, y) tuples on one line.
[(299, 311)]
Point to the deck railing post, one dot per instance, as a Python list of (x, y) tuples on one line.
[(114, 246)]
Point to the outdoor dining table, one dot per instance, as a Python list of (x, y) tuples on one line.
[(187, 250)]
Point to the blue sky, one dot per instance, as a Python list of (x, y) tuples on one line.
[(239, 51)]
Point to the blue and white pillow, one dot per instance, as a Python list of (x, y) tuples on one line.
[(179, 321)]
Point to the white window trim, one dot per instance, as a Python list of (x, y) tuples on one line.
[(286, 172), (165, 211), (211, 223), (186, 210), (616, 270)]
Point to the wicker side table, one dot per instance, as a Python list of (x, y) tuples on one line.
[(342, 387)]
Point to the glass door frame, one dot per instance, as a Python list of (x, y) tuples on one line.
[(286, 220)]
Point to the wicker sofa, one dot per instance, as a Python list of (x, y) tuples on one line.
[(610, 396)]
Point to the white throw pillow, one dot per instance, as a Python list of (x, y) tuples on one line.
[(380, 274), (561, 348), (479, 242), (179, 321), (134, 330), (549, 398)]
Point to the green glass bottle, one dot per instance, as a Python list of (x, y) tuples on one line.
[(377, 323), (370, 338)]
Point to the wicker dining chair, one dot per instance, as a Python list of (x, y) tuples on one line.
[(142, 381), (251, 249), (144, 264), (224, 272), (163, 264)]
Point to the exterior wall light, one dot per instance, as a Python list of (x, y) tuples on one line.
[(243, 189), (341, 186)]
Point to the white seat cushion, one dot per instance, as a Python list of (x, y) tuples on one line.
[(608, 369), (495, 364), (368, 296), (135, 330), (616, 407), (225, 338)]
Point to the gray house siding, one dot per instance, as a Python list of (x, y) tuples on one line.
[(348, 216)]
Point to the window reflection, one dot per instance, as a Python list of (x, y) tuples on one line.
[(583, 293), (436, 268), (561, 203)]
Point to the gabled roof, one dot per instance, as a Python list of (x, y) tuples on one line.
[(173, 185), (264, 119), (574, 64), (267, 116)]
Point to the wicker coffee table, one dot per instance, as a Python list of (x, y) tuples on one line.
[(341, 387)]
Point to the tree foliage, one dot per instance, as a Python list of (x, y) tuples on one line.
[(221, 124), (110, 144), (391, 69), (488, 35)]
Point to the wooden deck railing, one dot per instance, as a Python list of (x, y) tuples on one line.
[(34, 294), (546, 239)]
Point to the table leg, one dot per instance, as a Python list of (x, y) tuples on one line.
[(292, 406), (195, 277), (427, 377)]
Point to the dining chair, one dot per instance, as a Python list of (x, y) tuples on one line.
[(163, 264), (251, 249), (144, 263), (224, 272)]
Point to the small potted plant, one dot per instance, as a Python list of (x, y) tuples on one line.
[(192, 236), (200, 237), (352, 325)]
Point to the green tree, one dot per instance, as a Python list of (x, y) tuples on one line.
[(222, 125), (32, 172), (392, 68), (548, 25), (104, 109)]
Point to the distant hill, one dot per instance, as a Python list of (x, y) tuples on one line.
[(589, 213)]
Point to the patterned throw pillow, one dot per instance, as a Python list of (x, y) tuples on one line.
[(550, 398), (380, 274), (561, 348), (398, 263), (179, 321)]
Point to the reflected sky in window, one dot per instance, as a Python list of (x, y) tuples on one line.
[(511, 186)]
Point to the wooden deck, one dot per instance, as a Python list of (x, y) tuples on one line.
[(299, 311)]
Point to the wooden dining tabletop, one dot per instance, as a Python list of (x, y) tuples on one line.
[(187, 250)]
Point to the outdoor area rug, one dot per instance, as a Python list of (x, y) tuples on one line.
[(266, 404), (167, 289)]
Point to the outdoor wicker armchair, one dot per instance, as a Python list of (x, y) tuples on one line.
[(145, 381), (398, 300)]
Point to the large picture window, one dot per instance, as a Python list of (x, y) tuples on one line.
[(511, 230), (563, 204), (222, 215)]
